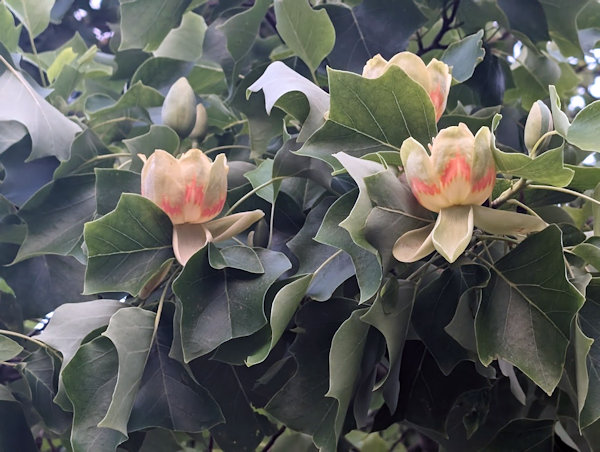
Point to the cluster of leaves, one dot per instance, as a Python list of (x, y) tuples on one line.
[(305, 330)]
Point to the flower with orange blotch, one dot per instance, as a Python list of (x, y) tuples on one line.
[(454, 181), (192, 191), (435, 78)]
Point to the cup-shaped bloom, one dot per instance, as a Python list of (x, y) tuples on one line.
[(435, 78), (459, 171), (190, 189)]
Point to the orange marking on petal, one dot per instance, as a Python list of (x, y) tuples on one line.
[(489, 178), (420, 187), (213, 210), (456, 167), (168, 208), (437, 99)]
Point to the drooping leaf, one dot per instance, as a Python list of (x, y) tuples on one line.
[(168, 396), (184, 42), (242, 29), (525, 317), (370, 115), (220, 305), (301, 403), (111, 184), (390, 314), (367, 266), (278, 82), (50, 131), (89, 380), (312, 255), (127, 246), (66, 204), (131, 331), (464, 55), (145, 24), (158, 137), (39, 370), (309, 33)]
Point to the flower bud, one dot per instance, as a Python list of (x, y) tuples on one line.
[(179, 108), (459, 171), (190, 189), (539, 122), (435, 78), (199, 130)]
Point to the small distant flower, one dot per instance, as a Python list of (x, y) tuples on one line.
[(435, 78), (192, 191), (454, 180)]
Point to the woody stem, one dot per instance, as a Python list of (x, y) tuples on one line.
[(509, 193)]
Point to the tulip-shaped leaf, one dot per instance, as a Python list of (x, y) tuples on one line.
[(219, 305), (369, 115), (525, 316), (127, 246)]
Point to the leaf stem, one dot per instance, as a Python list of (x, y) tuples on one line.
[(37, 58), (161, 302), (251, 192), (537, 144), (509, 193), (30, 339), (566, 191), (327, 261)]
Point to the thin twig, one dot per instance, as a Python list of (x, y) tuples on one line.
[(273, 439)]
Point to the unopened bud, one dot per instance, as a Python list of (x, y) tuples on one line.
[(539, 122), (199, 130), (179, 108)]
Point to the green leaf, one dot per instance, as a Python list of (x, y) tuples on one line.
[(240, 257), (114, 121), (89, 380), (370, 115), (15, 433), (584, 127), (390, 314), (366, 264), (370, 28), (464, 56), (33, 14), (5, 288), (589, 251), (50, 131), (309, 33), (39, 371), (355, 223), (131, 331), (161, 73), (220, 305), (242, 29), (261, 175), (589, 397), (144, 24), (184, 42), (168, 396), (525, 435), (301, 403), (345, 357), (562, 24), (65, 204), (8, 348), (547, 168), (525, 317), (284, 307), (111, 184), (207, 78), (278, 82), (70, 324), (158, 137), (85, 148), (9, 33), (127, 246), (333, 269)]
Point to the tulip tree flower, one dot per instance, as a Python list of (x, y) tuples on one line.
[(435, 78), (192, 190), (454, 181)]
